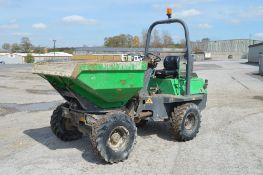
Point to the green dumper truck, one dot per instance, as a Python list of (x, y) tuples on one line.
[(109, 100)]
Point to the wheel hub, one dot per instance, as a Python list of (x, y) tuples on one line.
[(115, 138), (189, 121), (118, 138), (68, 124)]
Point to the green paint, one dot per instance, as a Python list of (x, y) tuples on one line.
[(107, 85), (112, 84), (177, 87)]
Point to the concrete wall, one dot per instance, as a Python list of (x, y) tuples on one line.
[(223, 49), (254, 53), (17, 59), (236, 45), (51, 59), (228, 55), (199, 57), (11, 60)]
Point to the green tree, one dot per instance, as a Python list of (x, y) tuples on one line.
[(39, 49), (68, 50), (136, 42), (144, 36), (15, 48), (182, 43), (29, 58), (205, 39), (167, 40), (25, 45), (6, 46), (118, 41), (156, 39), (129, 40)]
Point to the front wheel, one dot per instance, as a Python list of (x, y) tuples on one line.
[(62, 127), (185, 121), (114, 137)]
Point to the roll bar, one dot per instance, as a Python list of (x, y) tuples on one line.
[(189, 58)]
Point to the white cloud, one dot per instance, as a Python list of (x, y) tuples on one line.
[(9, 26), (39, 26), (204, 26), (21, 34), (188, 13), (197, 1), (259, 35), (76, 19), (237, 15), (252, 12), (233, 20)]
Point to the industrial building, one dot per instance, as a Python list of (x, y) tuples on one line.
[(90, 52), (111, 50), (216, 50), (19, 58), (255, 52), (225, 49)]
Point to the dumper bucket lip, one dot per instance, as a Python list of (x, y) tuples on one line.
[(73, 69)]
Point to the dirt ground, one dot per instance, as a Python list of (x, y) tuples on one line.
[(230, 140)]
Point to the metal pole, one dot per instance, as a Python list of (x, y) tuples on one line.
[(54, 48)]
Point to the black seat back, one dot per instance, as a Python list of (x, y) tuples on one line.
[(171, 67), (171, 62)]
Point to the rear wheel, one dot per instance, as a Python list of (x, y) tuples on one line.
[(62, 127), (185, 121), (114, 137)]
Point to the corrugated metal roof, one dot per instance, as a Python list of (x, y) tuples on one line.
[(237, 45)]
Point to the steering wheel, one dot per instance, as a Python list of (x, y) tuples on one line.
[(156, 57)]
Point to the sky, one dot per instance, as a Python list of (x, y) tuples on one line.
[(75, 23)]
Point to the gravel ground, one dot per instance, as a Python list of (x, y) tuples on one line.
[(230, 140)]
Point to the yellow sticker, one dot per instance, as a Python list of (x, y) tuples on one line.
[(149, 100), (82, 119)]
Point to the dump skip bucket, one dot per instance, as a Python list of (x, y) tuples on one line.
[(104, 84)]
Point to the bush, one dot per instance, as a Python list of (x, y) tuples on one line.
[(29, 58)]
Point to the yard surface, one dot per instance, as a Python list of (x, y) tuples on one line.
[(230, 140)]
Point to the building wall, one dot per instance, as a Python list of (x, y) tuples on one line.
[(237, 45), (11, 60), (228, 55), (51, 58), (254, 53), (217, 50), (105, 50), (19, 58), (224, 49)]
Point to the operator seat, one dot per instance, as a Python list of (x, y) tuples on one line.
[(171, 68)]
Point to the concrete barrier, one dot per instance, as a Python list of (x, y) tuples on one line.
[(11, 60)]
